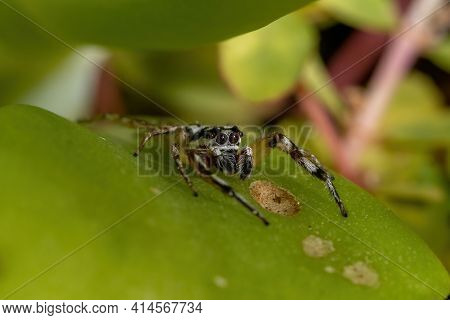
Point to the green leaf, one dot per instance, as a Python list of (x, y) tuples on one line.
[(63, 184), (265, 64), (378, 15), (416, 115), (315, 78), (188, 83), (152, 23), (27, 54), (440, 54)]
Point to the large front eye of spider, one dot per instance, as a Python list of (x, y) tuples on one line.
[(234, 138), (211, 134), (222, 138)]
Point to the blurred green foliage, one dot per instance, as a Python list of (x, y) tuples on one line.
[(252, 65), (187, 83), (380, 15), (152, 24), (440, 54), (315, 78), (407, 162), (416, 116), (26, 55)]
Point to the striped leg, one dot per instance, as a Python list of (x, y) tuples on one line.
[(227, 189), (245, 162), (309, 162), (175, 151), (206, 174)]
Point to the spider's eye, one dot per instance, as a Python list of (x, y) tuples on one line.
[(221, 138), (211, 134), (234, 138)]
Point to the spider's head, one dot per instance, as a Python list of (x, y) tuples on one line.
[(226, 138)]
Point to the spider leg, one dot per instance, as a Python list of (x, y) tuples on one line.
[(151, 129), (309, 162), (227, 189), (245, 162), (206, 174), (175, 151), (154, 132)]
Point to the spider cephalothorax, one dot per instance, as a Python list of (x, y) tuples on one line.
[(217, 148)]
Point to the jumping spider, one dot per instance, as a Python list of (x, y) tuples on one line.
[(211, 148)]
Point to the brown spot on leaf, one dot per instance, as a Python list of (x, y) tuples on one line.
[(329, 269), (220, 282), (361, 274), (317, 247), (274, 198), (155, 190)]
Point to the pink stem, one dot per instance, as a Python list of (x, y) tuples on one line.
[(398, 58), (108, 98), (360, 44)]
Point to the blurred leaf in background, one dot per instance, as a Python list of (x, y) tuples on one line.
[(126, 25), (375, 15), (186, 82), (26, 55), (440, 54), (417, 116), (315, 78), (152, 24), (265, 65), (70, 88), (406, 163)]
